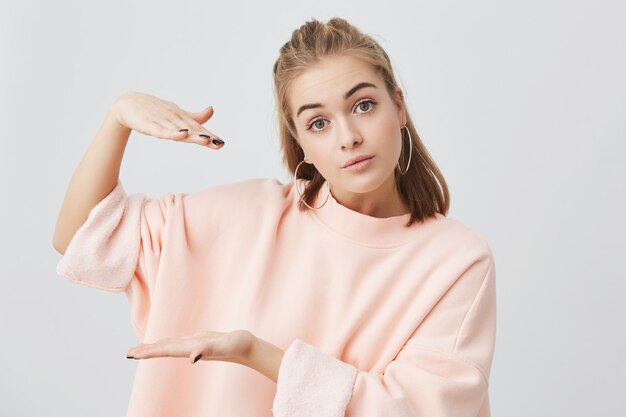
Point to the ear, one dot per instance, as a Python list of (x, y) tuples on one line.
[(399, 99)]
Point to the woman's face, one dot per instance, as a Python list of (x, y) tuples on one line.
[(337, 121)]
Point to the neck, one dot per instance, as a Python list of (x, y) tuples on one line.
[(385, 201)]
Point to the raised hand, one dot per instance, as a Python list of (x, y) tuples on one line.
[(163, 119)]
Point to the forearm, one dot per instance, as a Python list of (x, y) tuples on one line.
[(96, 176), (265, 358)]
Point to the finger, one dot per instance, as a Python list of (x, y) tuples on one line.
[(167, 129), (193, 133), (160, 130), (195, 356), (198, 129), (160, 344), (139, 352), (178, 131), (161, 350)]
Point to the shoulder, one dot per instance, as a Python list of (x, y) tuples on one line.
[(244, 198), (244, 191), (462, 241)]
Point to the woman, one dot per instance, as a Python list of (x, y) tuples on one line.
[(347, 292)]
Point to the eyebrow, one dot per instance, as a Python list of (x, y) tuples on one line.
[(345, 97)]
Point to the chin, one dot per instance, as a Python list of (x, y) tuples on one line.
[(362, 183)]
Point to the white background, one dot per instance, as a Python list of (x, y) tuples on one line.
[(521, 104)]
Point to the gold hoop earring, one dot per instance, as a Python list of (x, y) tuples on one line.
[(295, 184)]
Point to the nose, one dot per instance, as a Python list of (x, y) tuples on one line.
[(349, 135)]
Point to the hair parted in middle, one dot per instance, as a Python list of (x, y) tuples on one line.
[(423, 187)]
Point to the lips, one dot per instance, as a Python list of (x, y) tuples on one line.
[(357, 159)]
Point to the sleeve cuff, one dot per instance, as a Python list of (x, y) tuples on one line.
[(104, 251), (311, 383)]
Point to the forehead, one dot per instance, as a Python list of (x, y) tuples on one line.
[(329, 79)]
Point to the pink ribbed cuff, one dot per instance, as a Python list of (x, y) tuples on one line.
[(103, 252), (312, 384)]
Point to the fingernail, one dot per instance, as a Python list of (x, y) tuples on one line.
[(204, 136), (184, 130), (129, 357), (218, 142), (197, 358)]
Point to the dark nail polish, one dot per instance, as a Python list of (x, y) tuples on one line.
[(184, 130), (204, 136), (197, 358), (129, 357), (218, 141)]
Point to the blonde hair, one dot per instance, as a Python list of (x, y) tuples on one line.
[(423, 187)]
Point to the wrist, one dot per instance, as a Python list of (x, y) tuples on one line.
[(265, 358), (113, 115), (112, 122)]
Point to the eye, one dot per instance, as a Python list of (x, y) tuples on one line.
[(314, 123), (370, 102), (370, 106)]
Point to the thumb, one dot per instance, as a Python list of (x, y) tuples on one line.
[(195, 357), (203, 115)]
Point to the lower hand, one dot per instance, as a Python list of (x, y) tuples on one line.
[(235, 346)]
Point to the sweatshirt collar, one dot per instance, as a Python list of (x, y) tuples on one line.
[(361, 228)]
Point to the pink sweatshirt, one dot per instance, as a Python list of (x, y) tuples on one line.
[(376, 319)]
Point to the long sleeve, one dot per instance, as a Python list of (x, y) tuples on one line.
[(159, 252), (118, 248), (427, 378)]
